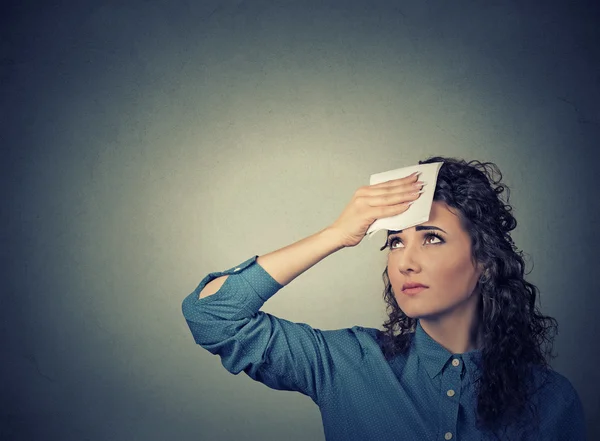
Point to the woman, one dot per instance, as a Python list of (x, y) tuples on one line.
[(459, 358)]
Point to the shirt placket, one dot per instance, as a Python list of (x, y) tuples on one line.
[(450, 398)]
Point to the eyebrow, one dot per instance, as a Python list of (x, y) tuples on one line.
[(418, 228)]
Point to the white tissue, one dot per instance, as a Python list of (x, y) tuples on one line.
[(418, 212)]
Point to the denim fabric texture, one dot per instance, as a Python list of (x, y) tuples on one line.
[(426, 394)]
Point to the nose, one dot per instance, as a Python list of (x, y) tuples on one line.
[(408, 259)]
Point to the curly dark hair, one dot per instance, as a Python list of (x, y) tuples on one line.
[(513, 329)]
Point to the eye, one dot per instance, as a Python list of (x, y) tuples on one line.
[(427, 236)]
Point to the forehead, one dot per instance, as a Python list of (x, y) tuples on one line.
[(441, 215)]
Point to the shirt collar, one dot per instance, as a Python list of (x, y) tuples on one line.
[(434, 356)]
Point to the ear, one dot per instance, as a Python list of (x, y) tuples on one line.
[(480, 269)]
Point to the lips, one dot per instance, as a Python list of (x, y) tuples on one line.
[(413, 291), (413, 285)]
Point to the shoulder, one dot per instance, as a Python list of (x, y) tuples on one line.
[(553, 387), (373, 333), (561, 409), (353, 341)]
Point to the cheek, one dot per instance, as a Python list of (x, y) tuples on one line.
[(440, 271), (456, 276), (395, 280)]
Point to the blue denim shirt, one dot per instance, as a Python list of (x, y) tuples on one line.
[(426, 394)]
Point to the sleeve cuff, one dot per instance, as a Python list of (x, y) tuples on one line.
[(250, 274)]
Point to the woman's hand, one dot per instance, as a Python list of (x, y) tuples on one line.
[(374, 202)]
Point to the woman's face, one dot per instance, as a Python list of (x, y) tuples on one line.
[(444, 265)]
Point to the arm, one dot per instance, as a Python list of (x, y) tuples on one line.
[(571, 423), (224, 315), (287, 263), (276, 352), (368, 204)]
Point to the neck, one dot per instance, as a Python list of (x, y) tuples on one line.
[(457, 330)]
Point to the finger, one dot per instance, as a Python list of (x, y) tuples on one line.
[(390, 210), (393, 182), (392, 198), (390, 189)]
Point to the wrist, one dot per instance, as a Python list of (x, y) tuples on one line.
[(333, 237)]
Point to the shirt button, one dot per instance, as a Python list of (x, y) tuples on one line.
[(455, 362), (450, 393), (448, 435)]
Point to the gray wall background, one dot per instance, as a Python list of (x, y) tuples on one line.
[(148, 143)]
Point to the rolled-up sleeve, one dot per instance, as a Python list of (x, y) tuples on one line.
[(278, 353)]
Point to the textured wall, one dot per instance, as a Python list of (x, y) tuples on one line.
[(146, 144)]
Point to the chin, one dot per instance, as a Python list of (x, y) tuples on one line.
[(408, 311)]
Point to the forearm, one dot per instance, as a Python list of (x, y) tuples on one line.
[(287, 263)]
